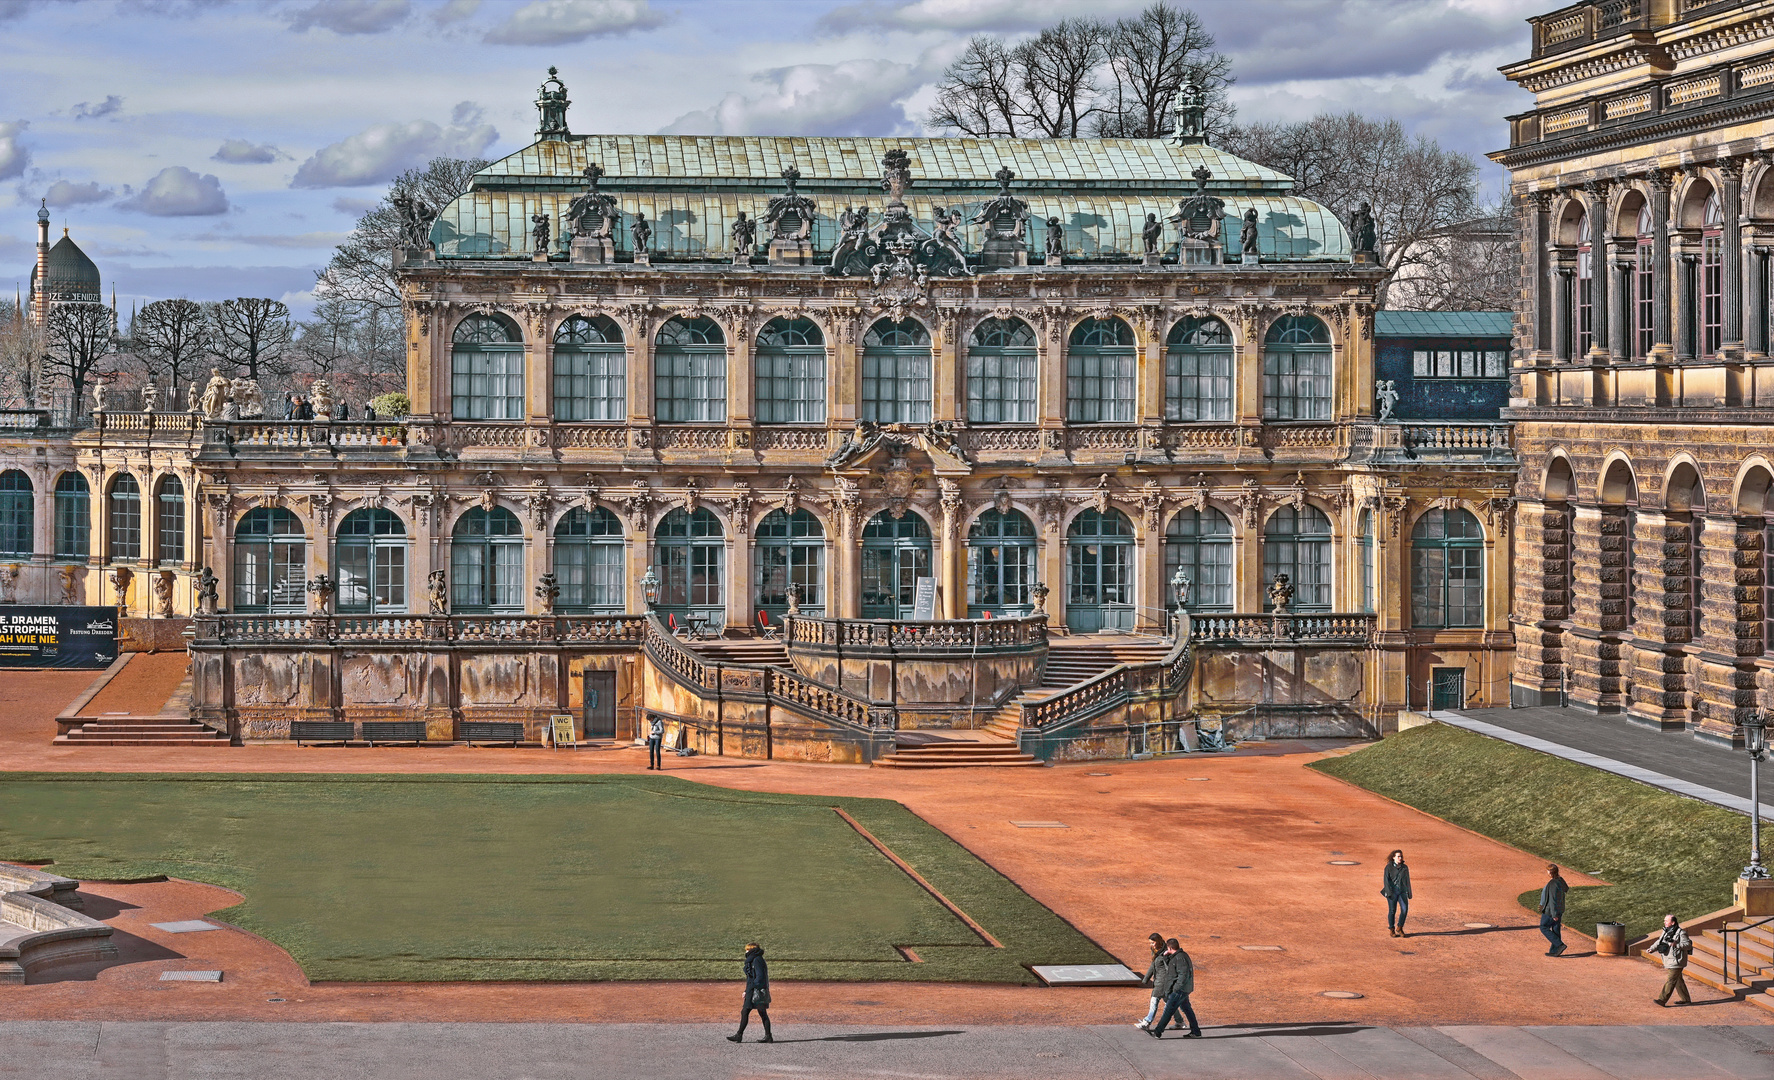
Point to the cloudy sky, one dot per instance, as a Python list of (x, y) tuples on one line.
[(209, 149)]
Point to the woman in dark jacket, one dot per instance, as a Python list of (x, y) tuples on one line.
[(1395, 886), (757, 992), (1157, 941)]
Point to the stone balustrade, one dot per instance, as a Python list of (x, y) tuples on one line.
[(393, 629), (1356, 628)]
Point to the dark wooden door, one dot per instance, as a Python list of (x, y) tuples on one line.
[(600, 704)]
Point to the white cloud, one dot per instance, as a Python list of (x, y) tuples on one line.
[(855, 97), (969, 15), (300, 241), (380, 152), (345, 204), (63, 193), (87, 111), (455, 11), (560, 22), (241, 152), (351, 16), (176, 191), (13, 155)]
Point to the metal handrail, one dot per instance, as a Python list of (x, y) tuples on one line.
[(1734, 947)]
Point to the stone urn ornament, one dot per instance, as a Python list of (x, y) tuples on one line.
[(548, 592), (150, 395), (793, 593), (1038, 592), (323, 588)]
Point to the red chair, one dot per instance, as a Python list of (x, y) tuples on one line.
[(771, 633), (987, 614), (671, 620)]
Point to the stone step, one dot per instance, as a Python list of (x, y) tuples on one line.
[(63, 740), (898, 761)]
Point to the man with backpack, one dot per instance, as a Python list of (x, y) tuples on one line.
[(1175, 981)]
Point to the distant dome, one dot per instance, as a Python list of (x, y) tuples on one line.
[(72, 276)]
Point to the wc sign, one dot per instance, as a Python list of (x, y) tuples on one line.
[(57, 637)]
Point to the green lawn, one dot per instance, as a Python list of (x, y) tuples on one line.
[(1660, 852), (416, 878)]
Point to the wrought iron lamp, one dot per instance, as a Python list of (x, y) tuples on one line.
[(1755, 740), (650, 588)]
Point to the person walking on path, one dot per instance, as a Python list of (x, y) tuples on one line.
[(1177, 979), (1395, 886), (757, 993), (1157, 941), (1673, 943), (655, 740), (1552, 911)]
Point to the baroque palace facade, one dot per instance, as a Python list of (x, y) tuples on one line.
[(1644, 383), (774, 373)]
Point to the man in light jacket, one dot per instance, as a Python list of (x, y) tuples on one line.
[(1175, 981), (655, 739), (1552, 911), (1674, 946)]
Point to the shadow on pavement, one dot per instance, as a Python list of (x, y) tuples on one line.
[(878, 1036), (1266, 1031)]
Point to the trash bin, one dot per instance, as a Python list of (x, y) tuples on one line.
[(1610, 939)]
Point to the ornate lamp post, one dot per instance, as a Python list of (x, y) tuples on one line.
[(650, 588), (1755, 740)]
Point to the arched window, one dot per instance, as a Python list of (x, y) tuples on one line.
[(1712, 278), (790, 550), (1099, 572), (895, 554), (1199, 543), (1198, 371), (896, 372), (1298, 543), (692, 555), (1645, 286), (590, 370), (169, 521), (589, 557), (270, 562), (487, 561), (371, 561), (1364, 551), (1001, 373), (1001, 553), (1297, 369), (487, 369), (690, 372), (1447, 570), (1583, 330), (18, 514), (73, 517), (124, 518), (791, 372), (1100, 365)]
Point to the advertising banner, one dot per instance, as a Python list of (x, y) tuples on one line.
[(57, 637)]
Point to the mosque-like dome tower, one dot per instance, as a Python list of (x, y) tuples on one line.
[(63, 274)]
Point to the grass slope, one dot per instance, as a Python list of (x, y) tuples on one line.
[(1661, 852), (422, 878)]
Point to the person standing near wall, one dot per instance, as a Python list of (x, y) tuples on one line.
[(757, 993), (1552, 911), (655, 740), (1395, 886)]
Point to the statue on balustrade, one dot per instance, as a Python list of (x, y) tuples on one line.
[(539, 230), (1247, 236), (1362, 230), (1386, 393), (1198, 219), (437, 589), (592, 213), (745, 236), (415, 220), (99, 386), (1153, 234), (1006, 221), (640, 232), (216, 395), (320, 395), (150, 395), (1056, 238), (207, 600)]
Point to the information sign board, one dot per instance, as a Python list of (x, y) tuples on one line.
[(57, 637), (924, 601)]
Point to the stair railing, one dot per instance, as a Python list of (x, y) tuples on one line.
[(1734, 947)]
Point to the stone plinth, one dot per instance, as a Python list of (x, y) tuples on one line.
[(1755, 897), (593, 250), (791, 253), (1004, 253)]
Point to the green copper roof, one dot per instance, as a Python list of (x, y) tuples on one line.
[(1451, 324)]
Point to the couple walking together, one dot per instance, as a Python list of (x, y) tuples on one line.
[(1172, 978), (1395, 886)]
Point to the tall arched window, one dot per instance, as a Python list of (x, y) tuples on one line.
[(1584, 328), (896, 372), (1101, 363), (790, 550), (790, 366), (1645, 286), (895, 554), (169, 521), (1001, 553), (1001, 373), (589, 557), (1199, 543), (18, 514), (270, 562), (370, 558), (124, 517), (590, 370), (1712, 278), (1099, 572), (487, 369), (1298, 543), (690, 372), (1447, 570), (1297, 369), (1198, 371), (487, 561), (1364, 551), (73, 517), (692, 556)]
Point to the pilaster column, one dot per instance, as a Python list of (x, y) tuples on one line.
[(1600, 313), (1731, 199), (1758, 299), (1152, 591), (740, 598), (1622, 342), (948, 579), (1563, 330), (1686, 264), (1053, 571), (1542, 201), (1663, 341)]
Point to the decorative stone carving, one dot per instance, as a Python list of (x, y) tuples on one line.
[(1198, 219), (150, 395), (745, 236), (1250, 500), (1151, 503), (790, 499), (1006, 221), (321, 395), (739, 507), (1191, 110), (247, 398), (1056, 242), (1197, 496), (1296, 494), (640, 234), (1101, 497), (539, 234), (548, 592), (1038, 597), (551, 104), (9, 575), (194, 397), (897, 250), (539, 502), (639, 507), (70, 583), (1052, 509), (320, 504), (437, 592), (415, 223), (1152, 234), (207, 599), (858, 441), (846, 503), (953, 506), (590, 217), (1386, 394), (1281, 594), (323, 588), (790, 219), (121, 578)]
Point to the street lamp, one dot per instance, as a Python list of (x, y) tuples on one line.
[(1755, 740), (650, 588)]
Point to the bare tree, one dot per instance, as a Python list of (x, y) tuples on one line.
[(170, 339), (252, 333), (1474, 266), (1060, 70), (361, 269), (1151, 57), (79, 337), (22, 345), (324, 343), (977, 95), (356, 347)]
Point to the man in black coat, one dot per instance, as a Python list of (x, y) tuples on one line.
[(1176, 979), (757, 992), (1552, 911)]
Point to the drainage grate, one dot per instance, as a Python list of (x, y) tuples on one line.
[(1347, 995)]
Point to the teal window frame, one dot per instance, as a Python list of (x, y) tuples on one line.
[(590, 370), (1198, 368), (1447, 570), (790, 548), (1298, 543), (270, 563), (169, 521), (123, 518), (1003, 373), (790, 372), (896, 552), (487, 562), (487, 369), (1199, 543), (590, 562), (370, 562), (73, 518), (18, 514), (690, 371), (1102, 373), (1297, 370), (691, 552), (897, 386), (1003, 551)]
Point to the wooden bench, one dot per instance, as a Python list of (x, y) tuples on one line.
[(339, 731), (474, 731), (387, 731)]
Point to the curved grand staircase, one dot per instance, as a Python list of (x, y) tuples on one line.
[(1073, 660)]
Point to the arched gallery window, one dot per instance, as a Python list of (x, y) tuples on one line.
[(1099, 572), (18, 514), (124, 518), (487, 369), (73, 517), (692, 553), (1297, 369), (589, 558), (1364, 551), (1584, 327), (1712, 277), (790, 364), (169, 521), (895, 554), (1001, 373), (1298, 543), (1199, 543), (1645, 286), (790, 550), (487, 561), (1447, 570), (270, 563), (1101, 366), (690, 372), (371, 560), (896, 372), (1198, 371), (1001, 553), (590, 370)]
